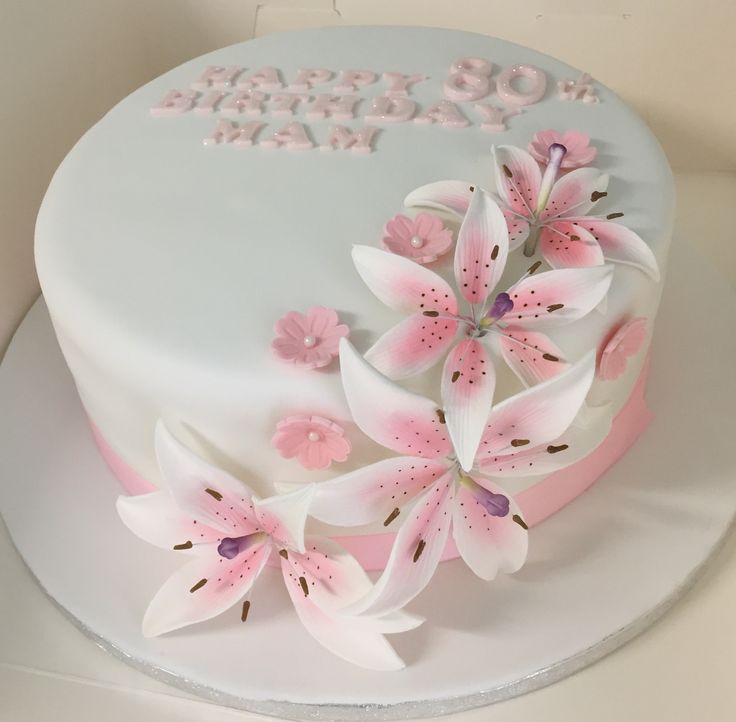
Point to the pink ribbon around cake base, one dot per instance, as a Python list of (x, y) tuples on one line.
[(537, 502)]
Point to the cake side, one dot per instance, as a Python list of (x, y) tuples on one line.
[(166, 263)]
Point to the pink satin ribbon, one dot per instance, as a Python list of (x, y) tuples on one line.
[(537, 502)]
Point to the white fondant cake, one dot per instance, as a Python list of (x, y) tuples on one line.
[(229, 192)]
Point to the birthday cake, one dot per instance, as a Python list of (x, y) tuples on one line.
[(355, 299)]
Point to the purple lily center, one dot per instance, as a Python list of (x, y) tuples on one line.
[(557, 152), (494, 504), (230, 547), (502, 304)]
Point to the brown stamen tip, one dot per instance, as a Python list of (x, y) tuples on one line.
[(549, 357), (597, 195), (455, 376), (305, 586), (214, 494), (472, 189), (441, 416), (494, 253), (507, 171), (555, 307), (185, 545), (519, 442), (573, 237), (611, 216), (419, 550), (284, 554), (198, 585), (533, 268), (519, 521), (554, 449), (391, 516), (431, 314), (246, 609)]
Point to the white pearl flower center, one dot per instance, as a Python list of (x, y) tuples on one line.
[(310, 341), (417, 241), (313, 436)]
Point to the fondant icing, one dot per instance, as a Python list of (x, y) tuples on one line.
[(166, 263)]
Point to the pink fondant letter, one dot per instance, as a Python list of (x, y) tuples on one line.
[(384, 109), (227, 132), (350, 80), (292, 136), (359, 141), (307, 78), (537, 84), (217, 76), (398, 84), (444, 113), (175, 102), (340, 107)]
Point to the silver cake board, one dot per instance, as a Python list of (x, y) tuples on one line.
[(600, 571)]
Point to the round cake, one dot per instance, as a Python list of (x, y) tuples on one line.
[(205, 249)]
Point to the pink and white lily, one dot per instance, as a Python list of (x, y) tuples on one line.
[(229, 534), (511, 322), (549, 211), (437, 488)]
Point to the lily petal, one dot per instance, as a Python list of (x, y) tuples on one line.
[(203, 588), (573, 445), (488, 543), (362, 644), (518, 229), (416, 552), (564, 244), (556, 298), (621, 245), (575, 193), (335, 579), (468, 382), (392, 416), (203, 491), (413, 345), (531, 355), (375, 492), (157, 519), (538, 415), (518, 179), (482, 248), (401, 283), (283, 516), (447, 195)]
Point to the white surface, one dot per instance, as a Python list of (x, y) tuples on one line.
[(644, 528), (165, 263)]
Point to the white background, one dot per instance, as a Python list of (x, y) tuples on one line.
[(63, 63)]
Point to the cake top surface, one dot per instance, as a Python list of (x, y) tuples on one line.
[(195, 250)]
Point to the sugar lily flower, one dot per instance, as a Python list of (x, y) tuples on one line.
[(431, 492), (549, 212), (229, 534), (512, 320)]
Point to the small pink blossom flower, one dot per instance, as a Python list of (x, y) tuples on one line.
[(625, 342), (315, 441), (579, 150), (422, 239), (310, 339)]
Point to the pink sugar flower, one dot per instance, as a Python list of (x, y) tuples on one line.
[(422, 239), (626, 342), (227, 535), (315, 441), (579, 150), (310, 339)]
